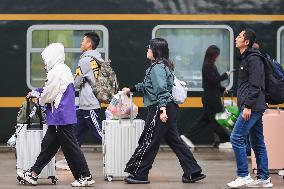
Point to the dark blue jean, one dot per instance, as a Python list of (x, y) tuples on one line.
[(254, 129), (88, 120)]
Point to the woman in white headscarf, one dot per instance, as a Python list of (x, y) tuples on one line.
[(58, 96)]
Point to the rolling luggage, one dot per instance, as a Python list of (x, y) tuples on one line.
[(28, 146), (120, 139), (273, 137)]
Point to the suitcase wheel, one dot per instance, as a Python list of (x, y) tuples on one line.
[(254, 171), (109, 178), (54, 180), (21, 181)]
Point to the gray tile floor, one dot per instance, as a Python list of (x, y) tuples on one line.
[(166, 172)]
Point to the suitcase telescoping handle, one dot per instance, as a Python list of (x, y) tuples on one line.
[(30, 114), (231, 92), (120, 93)]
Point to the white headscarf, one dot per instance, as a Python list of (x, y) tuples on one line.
[(59, 75)]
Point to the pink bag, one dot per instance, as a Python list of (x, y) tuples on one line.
[(121, 106)]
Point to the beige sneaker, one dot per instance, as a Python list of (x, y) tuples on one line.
[(225, 145), (260, 183)]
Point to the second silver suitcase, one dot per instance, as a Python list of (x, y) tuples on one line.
[(120, 139)]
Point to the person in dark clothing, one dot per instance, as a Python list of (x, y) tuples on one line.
[(161, 120), (211, 100), (251, 103)]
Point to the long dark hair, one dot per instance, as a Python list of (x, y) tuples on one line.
[(160, 49), (211, 54)]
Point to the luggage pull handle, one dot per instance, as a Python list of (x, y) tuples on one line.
[(31, 114), (231, 92), (131, 106)]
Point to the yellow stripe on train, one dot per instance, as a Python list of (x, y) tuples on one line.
[(190, 102)]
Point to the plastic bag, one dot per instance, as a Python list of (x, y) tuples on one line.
[(12, 141), (229, 117), (120, 107)]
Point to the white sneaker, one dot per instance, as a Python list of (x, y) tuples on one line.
[(240, 182), (62, 164), (28, 176), (84, 181), (225, 145), (187, 141), (281, 173), (260, 183)]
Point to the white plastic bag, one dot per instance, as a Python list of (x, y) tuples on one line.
[(120, 107), (179, 91), (12, 141)]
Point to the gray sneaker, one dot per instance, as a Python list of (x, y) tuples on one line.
[(260, 183)]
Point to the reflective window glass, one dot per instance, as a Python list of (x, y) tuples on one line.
[(188, 45), (40, 36)]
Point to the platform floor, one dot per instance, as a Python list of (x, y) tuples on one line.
[(166, 172)]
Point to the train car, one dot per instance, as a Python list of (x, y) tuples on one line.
[(126, 27)]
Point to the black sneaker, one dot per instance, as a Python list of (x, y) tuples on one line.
[(135, 180), (27, 176), (193, 177)]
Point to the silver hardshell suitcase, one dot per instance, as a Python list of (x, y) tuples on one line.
[(28, 146), (120, 139)]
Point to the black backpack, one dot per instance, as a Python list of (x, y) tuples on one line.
[(274, 80)]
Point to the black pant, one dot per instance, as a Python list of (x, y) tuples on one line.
[(211, 106), (141, 161), (63, 136)]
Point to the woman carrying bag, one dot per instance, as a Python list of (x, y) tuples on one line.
[(161, 119)]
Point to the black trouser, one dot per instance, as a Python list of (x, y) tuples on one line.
[(141, 161), (63, 136), (211, 106), (88, 120)]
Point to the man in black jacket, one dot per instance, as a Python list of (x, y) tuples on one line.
[(251, 103)]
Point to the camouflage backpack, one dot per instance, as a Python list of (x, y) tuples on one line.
[(106, 82)]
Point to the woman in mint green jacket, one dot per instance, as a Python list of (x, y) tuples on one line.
[(161, 119)]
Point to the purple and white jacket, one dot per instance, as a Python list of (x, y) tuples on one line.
[(58, 93)]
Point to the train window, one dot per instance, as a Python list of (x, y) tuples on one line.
[(280, 46), (40, 36), (188, 44)]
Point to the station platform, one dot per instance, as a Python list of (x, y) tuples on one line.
[(219, 166)]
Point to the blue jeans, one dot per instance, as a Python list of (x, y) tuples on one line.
[(254, 129)]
